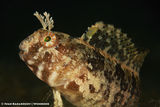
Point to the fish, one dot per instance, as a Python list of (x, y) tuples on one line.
[(99, 69)]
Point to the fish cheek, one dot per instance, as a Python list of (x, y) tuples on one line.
[(34, 48), (32, 58), (47, 66)]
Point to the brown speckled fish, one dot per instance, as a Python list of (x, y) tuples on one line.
[(99, 69)]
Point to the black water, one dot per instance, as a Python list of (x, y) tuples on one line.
[(140, 19)]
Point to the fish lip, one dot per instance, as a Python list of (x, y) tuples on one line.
[(21, 50), (22, 53), (21, 47)]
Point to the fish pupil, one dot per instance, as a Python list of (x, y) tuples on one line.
[(47, 39)]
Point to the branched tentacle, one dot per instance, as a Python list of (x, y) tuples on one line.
[(45, 21)]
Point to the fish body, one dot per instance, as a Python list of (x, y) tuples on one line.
[(99, 69)]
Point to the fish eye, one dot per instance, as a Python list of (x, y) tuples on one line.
[(47, 39)]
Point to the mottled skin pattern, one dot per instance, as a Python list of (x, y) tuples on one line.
[(86, 76)]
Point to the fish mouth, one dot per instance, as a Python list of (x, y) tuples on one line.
[(21, 53), (21, 46), (22, 50)]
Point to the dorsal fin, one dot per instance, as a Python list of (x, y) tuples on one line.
[(115, 43)]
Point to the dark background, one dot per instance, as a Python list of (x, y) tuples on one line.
[(140, 19)]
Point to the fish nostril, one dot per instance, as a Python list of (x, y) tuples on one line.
[(29, 38)]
